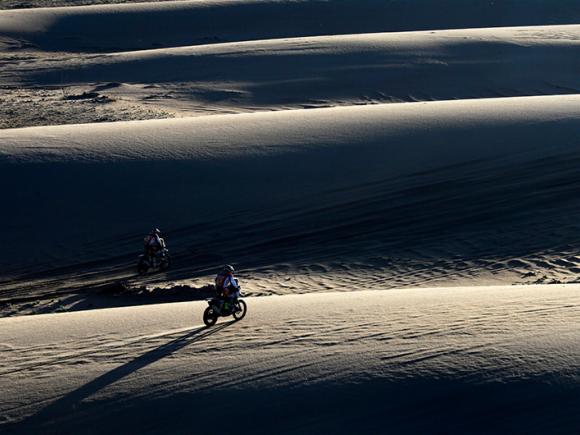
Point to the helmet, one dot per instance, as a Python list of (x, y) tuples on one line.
[(155, 231), (228, 268)]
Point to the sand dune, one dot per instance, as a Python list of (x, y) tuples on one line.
[(191, 58), (383, 191), (325, 148), (171, 24), (486, 360), (327, 71)]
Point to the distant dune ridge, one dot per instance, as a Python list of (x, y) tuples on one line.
[(185, 58), (328, 71), (161, 59), (170, 24)]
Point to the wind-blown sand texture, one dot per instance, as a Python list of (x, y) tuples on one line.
[(484, 360), (330, 150)]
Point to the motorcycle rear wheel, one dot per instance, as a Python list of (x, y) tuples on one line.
[(239, 315), (209, 317), (142, 267)]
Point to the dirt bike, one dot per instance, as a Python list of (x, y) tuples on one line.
[(219, 307), (161, 260)]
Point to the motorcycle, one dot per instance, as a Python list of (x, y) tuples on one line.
[(161, 260), (219, 308)]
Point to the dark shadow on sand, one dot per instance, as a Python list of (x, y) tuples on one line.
[(52, 415)]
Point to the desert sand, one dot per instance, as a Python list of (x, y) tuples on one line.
[(462, 360), (99, 63), (396, 183), (407, 194)]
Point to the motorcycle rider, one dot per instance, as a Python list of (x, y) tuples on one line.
[(154, 243), (227, 286)]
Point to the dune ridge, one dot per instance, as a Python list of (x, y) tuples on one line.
[(170, 24), (384, 190), (173, 58), (326, 71), (459, 358)]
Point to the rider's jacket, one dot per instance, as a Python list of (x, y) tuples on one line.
[(226, 280), (231, 282), (154, 241)]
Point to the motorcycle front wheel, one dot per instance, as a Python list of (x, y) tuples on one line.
[(209, 317), (165, 263), (241, 310)]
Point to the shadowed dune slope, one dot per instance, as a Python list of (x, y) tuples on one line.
[(170, 24), (355, 185)]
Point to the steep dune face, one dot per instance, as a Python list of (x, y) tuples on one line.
[(171, 24), (376, 186)]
